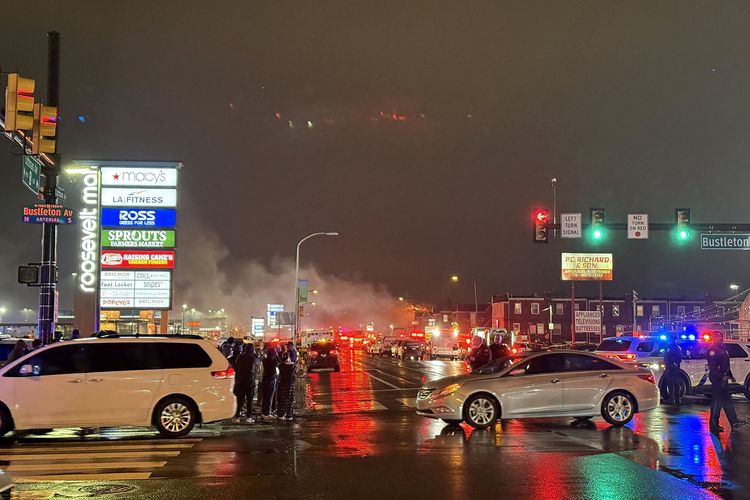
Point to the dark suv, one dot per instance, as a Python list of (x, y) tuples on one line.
[(323, 354)]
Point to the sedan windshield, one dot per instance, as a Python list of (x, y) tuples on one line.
[(496, 366)]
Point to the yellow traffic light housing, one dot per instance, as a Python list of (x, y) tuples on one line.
[(19, 103), (45, 129)]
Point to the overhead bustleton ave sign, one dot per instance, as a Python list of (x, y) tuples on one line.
[(725, 241), (586, 267)]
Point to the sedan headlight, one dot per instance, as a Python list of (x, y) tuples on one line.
[(446, 391)]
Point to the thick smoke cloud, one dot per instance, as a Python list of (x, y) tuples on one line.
[(208, 277)]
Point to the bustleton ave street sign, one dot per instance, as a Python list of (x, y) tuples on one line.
[(725, 241)]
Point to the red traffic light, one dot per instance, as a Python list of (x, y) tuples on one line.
[(541, 215)]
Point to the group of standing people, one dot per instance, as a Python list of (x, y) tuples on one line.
[(274, 366), (481, 354)]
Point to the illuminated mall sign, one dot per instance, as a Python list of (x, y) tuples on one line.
[(139, 176), (134, 259), (137, 197), (136, 290), (139, 217), (89, 236), (138, 238)]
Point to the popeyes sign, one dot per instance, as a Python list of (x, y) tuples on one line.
[(587, 267), (133, 259)]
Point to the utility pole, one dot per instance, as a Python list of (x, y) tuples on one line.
[(635, 310), (573, 313), (48, 285)]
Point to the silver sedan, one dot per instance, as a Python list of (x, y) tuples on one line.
[(548, 384)]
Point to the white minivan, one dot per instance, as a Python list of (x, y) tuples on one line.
[(170, 382)]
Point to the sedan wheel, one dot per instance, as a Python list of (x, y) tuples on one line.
[(481, 411), (618, 408)]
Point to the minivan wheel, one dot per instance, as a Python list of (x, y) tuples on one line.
[(175, 417), (6, 423), (618, 408), (481, 411)]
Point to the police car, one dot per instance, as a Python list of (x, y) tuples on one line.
[(694, 368)]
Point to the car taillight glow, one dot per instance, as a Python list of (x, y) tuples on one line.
[(313, 354), (221, 374), (648, 377), (706, 337), (334, 352)]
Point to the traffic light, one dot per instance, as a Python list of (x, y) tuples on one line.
[(19, 103), (682, 223), (598, 230), (541, 220), (45, 129)]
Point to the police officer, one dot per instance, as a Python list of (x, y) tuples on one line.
[(719, 373), (672, 360)]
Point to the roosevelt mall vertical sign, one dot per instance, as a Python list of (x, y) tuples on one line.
[(127, 238)]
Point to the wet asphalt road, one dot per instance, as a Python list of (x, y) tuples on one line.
[(359, 438)]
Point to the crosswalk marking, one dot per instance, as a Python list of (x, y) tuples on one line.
[(7, 457), (90, 465), (90, 460)]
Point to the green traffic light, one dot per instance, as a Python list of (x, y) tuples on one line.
[(684, 234), (598, 234)]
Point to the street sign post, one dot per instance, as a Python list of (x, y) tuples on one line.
[(570, 225), (637, 226), (31, 172)]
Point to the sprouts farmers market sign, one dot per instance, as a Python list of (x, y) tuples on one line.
[(725, 241), (587, 267), (138, 238)]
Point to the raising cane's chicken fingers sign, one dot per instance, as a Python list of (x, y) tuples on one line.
[(587, 267), (137, 259)]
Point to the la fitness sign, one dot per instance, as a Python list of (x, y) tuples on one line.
[(89, 236)]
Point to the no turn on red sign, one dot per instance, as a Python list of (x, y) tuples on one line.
[(637, 226)]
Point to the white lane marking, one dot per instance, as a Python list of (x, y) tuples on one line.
[(77, 456), (113, 476), (108, 442), (134, 447), (382, 381), (409, 402), (83, 465)]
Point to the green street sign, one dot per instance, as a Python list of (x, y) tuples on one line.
[(302, 287), (138, 238), (30, 173)]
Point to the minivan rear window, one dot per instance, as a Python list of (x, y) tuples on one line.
[(178, 355), (616, 345)]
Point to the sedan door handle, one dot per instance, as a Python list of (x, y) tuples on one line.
[(603, 375), (555, 380), (96, 380), (75, 381)]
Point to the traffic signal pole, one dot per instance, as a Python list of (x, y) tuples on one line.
[(48, 274)]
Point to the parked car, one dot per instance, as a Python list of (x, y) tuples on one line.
[(6, 346), (628, 348), (374, 349), (546, 384), (170, 382), (409, 349), (323, 354)]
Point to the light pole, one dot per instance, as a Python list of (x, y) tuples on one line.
[(554, 204), (456, 278), (192, 319), (735, 288), (2, 313), (182, 326), (296, 280)]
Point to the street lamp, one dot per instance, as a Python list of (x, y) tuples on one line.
[(192, 319), (456, 278), (2, 313), (296, 279), (184, 308), (26, 311)]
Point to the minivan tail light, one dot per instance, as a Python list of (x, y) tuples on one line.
[(648, 377), (334, 352), (228, 373), (313, 354)]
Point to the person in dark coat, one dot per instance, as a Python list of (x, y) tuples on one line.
[(229, 350), (480, 354), (245, 377), (719, 373), (19, 350), (286, 387), (672, 360), (270, 364), (498, 349)]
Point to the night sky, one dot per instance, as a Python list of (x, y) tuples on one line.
[(424, 132)]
